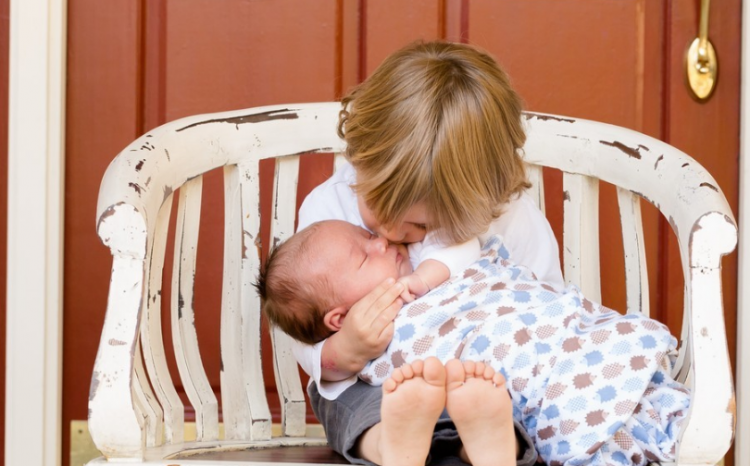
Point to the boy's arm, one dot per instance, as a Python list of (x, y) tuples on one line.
[(365, 333)]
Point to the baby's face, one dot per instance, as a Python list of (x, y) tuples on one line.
[(355, 261)]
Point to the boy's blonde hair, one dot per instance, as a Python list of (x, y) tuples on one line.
[(293, 299), (436, 122)]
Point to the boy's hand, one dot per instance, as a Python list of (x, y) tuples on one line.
[(365, 332), (414, 287)]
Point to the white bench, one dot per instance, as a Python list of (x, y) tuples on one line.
[(135, 414)]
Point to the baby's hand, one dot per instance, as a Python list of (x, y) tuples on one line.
[(414, 287)]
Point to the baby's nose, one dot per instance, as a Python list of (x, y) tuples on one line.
[(379, 245)]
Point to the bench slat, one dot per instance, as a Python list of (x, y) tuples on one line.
[(249, 229), (151, 339), (636, 273), (234, 401), (184, 337), (581, 234), (535, 175), (148, 406), (285, 366)]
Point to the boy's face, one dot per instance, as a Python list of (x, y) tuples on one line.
[(356, 261), (411, 229)]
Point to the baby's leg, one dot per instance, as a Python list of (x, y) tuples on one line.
[(413, 399), (480, 407)]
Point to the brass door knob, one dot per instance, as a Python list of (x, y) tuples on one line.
[(701, 60)]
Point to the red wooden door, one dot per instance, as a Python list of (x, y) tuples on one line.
[(135, 65)]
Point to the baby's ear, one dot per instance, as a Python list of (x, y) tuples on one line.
[(334, 318)]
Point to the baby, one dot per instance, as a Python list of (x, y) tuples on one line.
[(588, 383), (312, 280)]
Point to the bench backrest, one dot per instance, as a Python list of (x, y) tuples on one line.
[(133, 402)]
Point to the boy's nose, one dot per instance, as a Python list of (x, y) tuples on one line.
[(394, 235)]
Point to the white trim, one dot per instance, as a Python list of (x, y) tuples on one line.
[(35, 230), (742, 437)]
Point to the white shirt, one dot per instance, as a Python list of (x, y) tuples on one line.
[(526, 233)]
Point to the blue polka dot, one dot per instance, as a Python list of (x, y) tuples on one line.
[(405, 332), (607, 393), (528, 319), (593, 358), (542, 348), (522, 360), (521, 296), (640, 433), (577, 404), (620, 457), (563, 448), (467, 306), (648, 342), (551, 412), (480, 344)]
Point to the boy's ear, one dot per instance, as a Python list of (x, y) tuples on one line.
[(335, 318)]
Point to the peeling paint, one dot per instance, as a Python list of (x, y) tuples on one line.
[(167, 152), (114, 342), (148, 181), (732, 408), (628, 150), (167, 193), (684, 165), (94, 385), (661, 157), (566, 196), (108, 213), (567, 136), (641, 146), (140, 165), (180, 305), (537, 116), (704, 332), (674, 226), (135, 186), (709, 185), (275, 242), (282, 114)]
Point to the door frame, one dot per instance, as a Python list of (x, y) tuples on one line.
[(36, 174), (742, 448)]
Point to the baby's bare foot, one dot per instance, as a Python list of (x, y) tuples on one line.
[(413, 399), (480, 406)]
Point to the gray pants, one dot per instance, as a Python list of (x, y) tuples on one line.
[(357, 409)]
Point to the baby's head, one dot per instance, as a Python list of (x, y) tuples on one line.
[(437, 125), (311, 280)]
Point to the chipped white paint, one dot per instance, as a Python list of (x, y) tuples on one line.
[(234, 400), (285, 366), (151, 341), (535, 174), (636, 273), (147, 406), (581, 233), (145, 174), (184, 337)]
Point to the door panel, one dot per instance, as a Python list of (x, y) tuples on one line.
[(135, 65)]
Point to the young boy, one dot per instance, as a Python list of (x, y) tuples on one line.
[(434, 143), (551, 345)]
